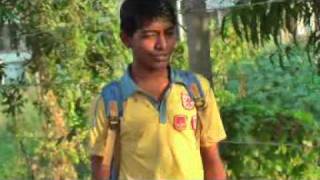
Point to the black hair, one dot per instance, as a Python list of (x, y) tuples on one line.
[(134, 13)]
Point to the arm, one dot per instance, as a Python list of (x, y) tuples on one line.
[(212, 132), (98, 136), (99, 172), (212, 163)]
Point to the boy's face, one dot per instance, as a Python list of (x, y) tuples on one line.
[(153, 44)]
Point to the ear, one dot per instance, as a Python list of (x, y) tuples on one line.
[(126, 40)]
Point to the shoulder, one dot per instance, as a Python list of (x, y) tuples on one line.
[(97, 107), (111, 91), (112, 86), (203, 81), (181, 74), (188, 77), (95, 102)]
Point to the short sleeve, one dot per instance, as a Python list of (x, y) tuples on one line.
[(212, 126), (98, 132)]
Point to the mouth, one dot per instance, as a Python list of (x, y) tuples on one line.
[(161, 57)]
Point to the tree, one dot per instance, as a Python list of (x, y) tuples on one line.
[(258, 21), (75, 51)]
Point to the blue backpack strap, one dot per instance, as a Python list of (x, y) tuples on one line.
[(112, 94), (193, 86)]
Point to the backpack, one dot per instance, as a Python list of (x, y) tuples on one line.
[(113, 99)]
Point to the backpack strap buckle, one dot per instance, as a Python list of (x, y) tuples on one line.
[(114, 122), (199, 100), (114, 119)]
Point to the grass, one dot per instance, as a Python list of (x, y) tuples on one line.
[(13, 164), (9, 155)]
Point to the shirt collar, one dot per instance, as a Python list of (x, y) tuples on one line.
[(175, 76), (129, 87)]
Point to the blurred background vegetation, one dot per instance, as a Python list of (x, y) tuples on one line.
[(266, 77)]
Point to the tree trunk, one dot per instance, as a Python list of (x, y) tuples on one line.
[(198, 37)]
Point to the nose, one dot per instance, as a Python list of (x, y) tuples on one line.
[(161, 42)]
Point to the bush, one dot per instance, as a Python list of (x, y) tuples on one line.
[(275, 111)]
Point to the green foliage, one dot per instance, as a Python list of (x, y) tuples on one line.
[(180, 56), (272, 104), (9, 153), (19, 138), (75, 51), (269, 103), (260, 22), (226, 51), (12, 100), (87, 53)]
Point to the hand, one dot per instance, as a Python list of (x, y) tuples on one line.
[(212, 163), (99, 171)]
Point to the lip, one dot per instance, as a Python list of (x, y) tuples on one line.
[(161, 57)]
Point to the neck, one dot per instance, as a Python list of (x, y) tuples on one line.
[(152, 81)]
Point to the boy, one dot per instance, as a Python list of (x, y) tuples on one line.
[(158, 130)]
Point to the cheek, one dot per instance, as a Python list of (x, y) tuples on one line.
[(142, 49), (148, 44), (172, 45)]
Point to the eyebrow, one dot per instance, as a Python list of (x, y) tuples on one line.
[(171, 28), (147, 31)]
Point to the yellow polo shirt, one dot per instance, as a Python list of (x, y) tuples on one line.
[(157, 138)]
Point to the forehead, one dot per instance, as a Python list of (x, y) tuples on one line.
[(156, 24)]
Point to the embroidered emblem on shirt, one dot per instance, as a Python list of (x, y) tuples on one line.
[(187, 101), (194, 122), (179, 122)]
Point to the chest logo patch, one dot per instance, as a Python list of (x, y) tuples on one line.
[(187, 101), (179, 122)]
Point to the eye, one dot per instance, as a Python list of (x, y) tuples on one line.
[(149, 34), (170, 33)]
